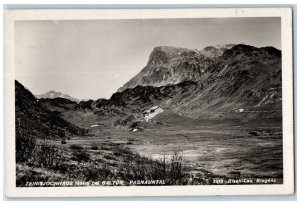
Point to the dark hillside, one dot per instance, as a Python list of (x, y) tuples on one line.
[(36, 120)]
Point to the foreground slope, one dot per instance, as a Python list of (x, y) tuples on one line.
[(36, 120)]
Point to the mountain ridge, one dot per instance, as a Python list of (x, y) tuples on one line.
[(243, 77), (188, 65), (54, 94)]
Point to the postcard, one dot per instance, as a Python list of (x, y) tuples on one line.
[(148, 102)]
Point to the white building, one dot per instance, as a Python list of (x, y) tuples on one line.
[(241, 109), (152, 112)]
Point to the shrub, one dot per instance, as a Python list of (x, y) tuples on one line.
[(28, 175), (177, 169), (173, 171), (109, 157), (94, 147), (33, 152), (81, 156), (105, 147), (74, 146), (253, 133), (25, 146), (117, 151), (48, 156), (95, 172)]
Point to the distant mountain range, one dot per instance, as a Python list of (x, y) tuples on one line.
[(53, 94), (216, 82)]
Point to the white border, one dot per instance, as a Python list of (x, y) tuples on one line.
[(10, 16)]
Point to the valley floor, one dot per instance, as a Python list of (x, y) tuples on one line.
[(206, 151)]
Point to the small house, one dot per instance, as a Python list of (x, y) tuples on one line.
[(152, 112), (241, 110)]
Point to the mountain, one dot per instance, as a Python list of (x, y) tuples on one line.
[(215, 51), (169, 65), (242, 76), (172, 65), (191, 83), (53, 94), (34, 119)]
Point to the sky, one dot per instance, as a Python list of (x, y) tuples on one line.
[(91, 59)]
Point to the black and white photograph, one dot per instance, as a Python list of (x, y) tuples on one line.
[(158, 102)]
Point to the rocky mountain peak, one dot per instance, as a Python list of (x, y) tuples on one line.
[(54, 94), (215, 51), (163, 54), (173, 65)]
